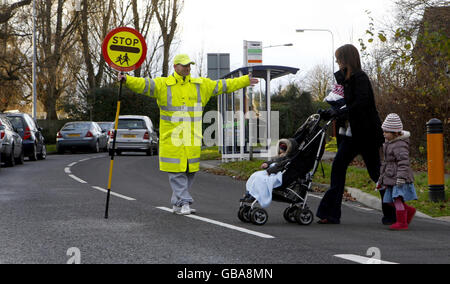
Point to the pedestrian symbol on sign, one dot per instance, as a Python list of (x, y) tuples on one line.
[(123, 60)]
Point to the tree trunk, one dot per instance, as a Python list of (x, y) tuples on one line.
[(167, 12)]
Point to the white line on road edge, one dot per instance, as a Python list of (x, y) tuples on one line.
[(115, 194), (261, 235), (362, 259), (67, 170), (349, 205), (77, 179)]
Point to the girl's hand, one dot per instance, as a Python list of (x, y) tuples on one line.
[(377, 187), (264, 166)]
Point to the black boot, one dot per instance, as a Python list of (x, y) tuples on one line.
[(389, 212)]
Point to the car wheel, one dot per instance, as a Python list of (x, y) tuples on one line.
[(149, 152), (10, 161), (43, 154), (60, 149), (20, 159), (96, 147), (33, 156)]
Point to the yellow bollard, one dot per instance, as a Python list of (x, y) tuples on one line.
[(435, 156)]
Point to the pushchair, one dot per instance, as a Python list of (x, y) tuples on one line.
[(297, 175)]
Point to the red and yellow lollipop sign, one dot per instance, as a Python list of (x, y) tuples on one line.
[(124, 49)]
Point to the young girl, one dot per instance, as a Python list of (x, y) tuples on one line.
[(396, 175)]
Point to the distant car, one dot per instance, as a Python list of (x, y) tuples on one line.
[(32, 139), (11, 149), (106, 127), (135, 133), (81, 134)]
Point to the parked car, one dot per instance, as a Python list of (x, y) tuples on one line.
[(107, 127), (32, 139), (135, 133), (11, 149), (81, 134)]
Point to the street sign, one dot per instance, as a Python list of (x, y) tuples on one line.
[(124, 49), (218, 65), (252, 53)]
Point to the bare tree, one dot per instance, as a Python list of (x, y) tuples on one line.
[(92, 31), (200, 62), (8, 11), (318, 81), (56, 39), (167, 12)]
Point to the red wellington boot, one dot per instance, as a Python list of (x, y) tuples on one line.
[(410, 212), (401, 223)]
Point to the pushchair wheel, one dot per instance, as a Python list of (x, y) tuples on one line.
[(304, 216), (244, 213), (289, 214), (259, 216)]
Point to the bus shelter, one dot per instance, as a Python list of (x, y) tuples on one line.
[(247, 126)]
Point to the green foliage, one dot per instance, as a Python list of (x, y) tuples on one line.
[(410, 68), (130, 104), (210, 153), (294, 108)]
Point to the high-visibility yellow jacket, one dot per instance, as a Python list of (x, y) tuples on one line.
[(181, 102)]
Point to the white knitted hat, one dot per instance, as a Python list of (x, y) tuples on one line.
[(392, 123)]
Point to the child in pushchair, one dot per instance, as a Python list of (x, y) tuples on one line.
[(288, 178)]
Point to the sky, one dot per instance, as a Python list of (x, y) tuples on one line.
[(218, 26)]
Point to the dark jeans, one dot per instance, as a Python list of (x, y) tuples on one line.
[(330, 206)]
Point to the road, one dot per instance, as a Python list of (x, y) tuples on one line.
[(52, 211)]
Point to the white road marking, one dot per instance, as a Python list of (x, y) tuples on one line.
[(261, 235), (68, 171), (115, 194), (362, 259), (77, 179), (349, 205)]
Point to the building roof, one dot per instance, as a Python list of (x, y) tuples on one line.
[(261, 71)]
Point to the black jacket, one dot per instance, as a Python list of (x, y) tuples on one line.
[(361, 111)]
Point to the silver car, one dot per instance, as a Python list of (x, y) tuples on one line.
[(81, 134), (135, 133)]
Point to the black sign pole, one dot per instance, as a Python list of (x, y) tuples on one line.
[(113, 150)]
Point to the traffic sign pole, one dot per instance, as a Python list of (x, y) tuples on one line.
[(113, 151), (124, 49)]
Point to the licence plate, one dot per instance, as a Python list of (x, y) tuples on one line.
[(128, 136), (73, 135)]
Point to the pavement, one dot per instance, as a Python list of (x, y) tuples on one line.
[(360, 196)]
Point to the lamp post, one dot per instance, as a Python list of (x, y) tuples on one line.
[(322, 30), (34, 62), (286, 44)]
